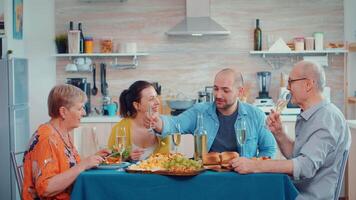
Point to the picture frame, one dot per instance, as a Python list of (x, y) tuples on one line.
[(17, 19)]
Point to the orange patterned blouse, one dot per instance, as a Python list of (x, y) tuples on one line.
[(46, 156)]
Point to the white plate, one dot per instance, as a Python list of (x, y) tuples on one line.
[(114, 166)]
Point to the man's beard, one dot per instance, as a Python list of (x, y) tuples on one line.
[(227, 106)]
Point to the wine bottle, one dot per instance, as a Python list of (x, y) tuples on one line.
[(71, 25), (81, 40), (257, 37), (200, 139)]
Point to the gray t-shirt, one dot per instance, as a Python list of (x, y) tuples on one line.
[(322, 136), (225, 139)]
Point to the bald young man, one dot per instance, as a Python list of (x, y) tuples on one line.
[(322, 136), (220, 118)]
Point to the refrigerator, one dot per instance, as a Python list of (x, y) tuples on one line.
[(14, 122)]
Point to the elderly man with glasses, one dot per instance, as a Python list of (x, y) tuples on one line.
[(316, 158)]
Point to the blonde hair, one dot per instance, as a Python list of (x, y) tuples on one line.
[(64, 95)]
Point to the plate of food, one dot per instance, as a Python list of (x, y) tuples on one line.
[(167, 164), (113, 165)]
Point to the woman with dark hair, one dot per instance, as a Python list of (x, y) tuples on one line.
[(137, 101)]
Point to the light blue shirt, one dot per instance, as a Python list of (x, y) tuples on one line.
[(260, 141), (322, 137)]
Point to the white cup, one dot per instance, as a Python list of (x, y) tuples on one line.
[(70, 67), (130, 47)]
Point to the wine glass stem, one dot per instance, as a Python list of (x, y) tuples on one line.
[(242, 150)]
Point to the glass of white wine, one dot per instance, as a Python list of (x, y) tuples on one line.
[(241, 134), (176, 137), (150, 113), (282, 101), (120, 141)]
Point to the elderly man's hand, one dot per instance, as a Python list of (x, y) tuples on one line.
[(244, 165), (274, 123)]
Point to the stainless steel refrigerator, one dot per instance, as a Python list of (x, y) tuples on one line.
[(14, 122)]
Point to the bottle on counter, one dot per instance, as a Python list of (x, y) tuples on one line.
[(73, 39), (71, 25), (88, 45), (81, 39), (257, 40), (200, 139)]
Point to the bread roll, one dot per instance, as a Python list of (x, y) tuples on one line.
[(212, 158), (212, 167)]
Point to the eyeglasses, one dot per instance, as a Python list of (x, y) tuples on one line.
[(290, 81)]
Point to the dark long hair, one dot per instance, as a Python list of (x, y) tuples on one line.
[(130, 95)]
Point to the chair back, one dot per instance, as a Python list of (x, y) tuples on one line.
[(341, 175), (18, 168)]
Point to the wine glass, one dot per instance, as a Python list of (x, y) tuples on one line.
[(150, 112), (120, 141), (176, 137), (282, 101), (241, 135)]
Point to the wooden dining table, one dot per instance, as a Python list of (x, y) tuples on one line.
[(114, 184)]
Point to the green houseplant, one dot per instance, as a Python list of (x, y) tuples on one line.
[(62, 43)]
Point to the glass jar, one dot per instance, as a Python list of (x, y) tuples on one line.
[(319, 40), (309, 43), (106, 46), (88, 45), (299, 44)]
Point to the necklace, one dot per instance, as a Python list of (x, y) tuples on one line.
[(70, 146)]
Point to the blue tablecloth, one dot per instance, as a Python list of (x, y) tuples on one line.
[(111, 184)]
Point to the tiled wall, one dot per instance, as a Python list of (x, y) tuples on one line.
[(188, 64)]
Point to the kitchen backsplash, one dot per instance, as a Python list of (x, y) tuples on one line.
[(187, 64)]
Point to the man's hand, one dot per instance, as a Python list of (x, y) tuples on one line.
[(274, 123), (244, 165)]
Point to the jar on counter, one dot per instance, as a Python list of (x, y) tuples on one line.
[(106, 46), (319, 40), (299, 44), (89, 45), (309, 43)]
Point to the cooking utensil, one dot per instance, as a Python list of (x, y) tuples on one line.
[(180, 104), (103, 83), (94, 91)]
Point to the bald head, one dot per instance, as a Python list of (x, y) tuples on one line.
[(312, 71), (230, 73)]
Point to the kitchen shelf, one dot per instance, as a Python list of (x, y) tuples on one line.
[(274, 58), (115, 56), (322, 52), (101, 54)]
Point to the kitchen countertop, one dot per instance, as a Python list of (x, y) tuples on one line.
[(114, 119), (100, 119)]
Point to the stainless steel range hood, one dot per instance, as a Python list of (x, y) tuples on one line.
[(197, 21)]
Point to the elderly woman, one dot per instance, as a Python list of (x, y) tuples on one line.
[(51, 163), (136, 102)]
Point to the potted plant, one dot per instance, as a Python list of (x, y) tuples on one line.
[(62, 43)]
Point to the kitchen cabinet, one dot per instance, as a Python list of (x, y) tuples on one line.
[(90, 137), (114, 56)]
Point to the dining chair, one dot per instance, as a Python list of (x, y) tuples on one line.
[(341, 175), (18, 169)]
